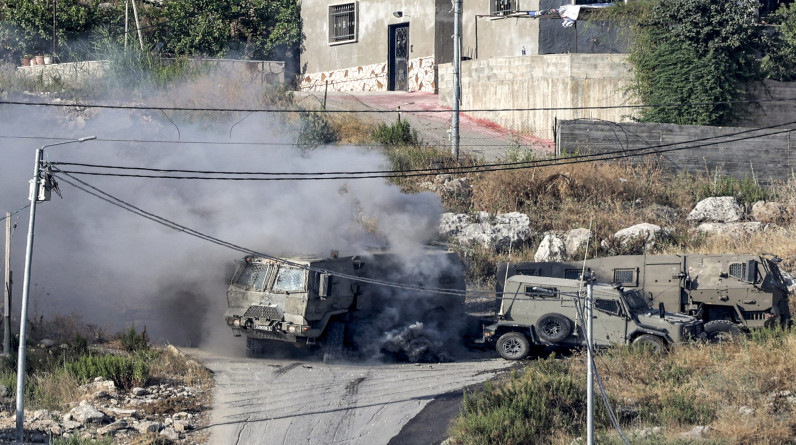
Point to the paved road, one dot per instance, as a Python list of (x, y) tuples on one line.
[(296, 399), (479, 138)]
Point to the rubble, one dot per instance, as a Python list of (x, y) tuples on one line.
[(119, 414)]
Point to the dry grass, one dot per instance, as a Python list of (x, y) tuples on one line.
[(172, 364), (743, 391)]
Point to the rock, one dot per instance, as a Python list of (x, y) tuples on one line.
[(138, 392), (46, 343), (745, 411), (100, 384), (551, 249), (181, 415), (170, 434), (647, 432), (731, 229), (113, 427), (696, 432), (721, 209), (576, 240), (646, 231), (70, 425), (181, 426), (148, 426), (497, 233), (87, 414), (770, 212)]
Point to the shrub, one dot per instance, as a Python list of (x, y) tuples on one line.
[(132, 341), (397, 133), (126, 372), (314, 130)]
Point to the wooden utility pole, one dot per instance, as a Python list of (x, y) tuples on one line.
[(7, 290)]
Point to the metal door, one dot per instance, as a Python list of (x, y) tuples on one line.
[(398, 57)]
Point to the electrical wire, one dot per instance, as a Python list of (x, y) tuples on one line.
[(15, 212), (96, 192), (471, 110), (478, 168)]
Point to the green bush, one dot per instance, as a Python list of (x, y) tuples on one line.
[(315, 130), (397, 133), (132, 341), (747, 190), (126, 372)]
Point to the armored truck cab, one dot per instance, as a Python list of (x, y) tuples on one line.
[(728, 292), (543, 311), (310, 301)]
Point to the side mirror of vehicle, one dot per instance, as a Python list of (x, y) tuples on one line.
[(661, 310)]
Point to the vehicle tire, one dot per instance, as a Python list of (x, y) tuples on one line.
[(333, 346), (255, 347), (720, 331), (553, 328), (513, 346), (656, 344)]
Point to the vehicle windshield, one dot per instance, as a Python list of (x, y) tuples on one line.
[(290, 280), (254, 276), (635, 300)]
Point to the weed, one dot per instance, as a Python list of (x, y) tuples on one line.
[(133, 341), (76, 439), (315, 130), (126, 372), (399, 132)]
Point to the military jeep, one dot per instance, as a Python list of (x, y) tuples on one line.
[(543, 311)]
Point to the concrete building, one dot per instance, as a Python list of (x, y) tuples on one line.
[(375, 45)]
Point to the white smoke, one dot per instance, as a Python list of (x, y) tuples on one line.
[(115, 268)]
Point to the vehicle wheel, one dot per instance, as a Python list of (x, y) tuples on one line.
[(720, 331), (333, 346), (513, 346), (255, 347), (553, 328), (656, 344)]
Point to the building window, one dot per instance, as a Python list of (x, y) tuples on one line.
[(502, 7), (625, 277), (343, 23)]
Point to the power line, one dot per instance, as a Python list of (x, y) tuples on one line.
[(15, 212), (477, 168), (96, 192), (472, 110)]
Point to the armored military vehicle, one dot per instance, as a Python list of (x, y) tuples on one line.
[(373, 302), (544, 311), (730, 293)]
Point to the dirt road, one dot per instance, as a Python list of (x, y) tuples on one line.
[(296, 399)]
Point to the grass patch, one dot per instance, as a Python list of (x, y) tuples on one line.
[(740, 390)]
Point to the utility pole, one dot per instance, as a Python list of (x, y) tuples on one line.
[(138, 26), (590, 359), (55, 25), (7, 290), (457, 62), (126, 22), (36, 186)]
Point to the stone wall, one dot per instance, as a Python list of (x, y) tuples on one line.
[(765, 155), (369, 78)]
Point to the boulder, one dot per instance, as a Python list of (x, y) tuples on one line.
[(576, 240), (87, 414), (731, 229), (717, 209), (498, 232), (551, 249), (646, 231), (113, 427), (148, 426), (770, 212)]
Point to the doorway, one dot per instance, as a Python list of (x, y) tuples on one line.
[(398, 57)]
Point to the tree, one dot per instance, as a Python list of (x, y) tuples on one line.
[(252, 29), (779, 63), (699, 52)]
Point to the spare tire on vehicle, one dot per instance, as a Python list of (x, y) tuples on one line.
[(553, 328)]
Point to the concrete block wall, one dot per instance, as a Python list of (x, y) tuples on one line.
[(545, 84), (766, 155)]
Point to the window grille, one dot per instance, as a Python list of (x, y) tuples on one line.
[(625, 277), (343, 23), (502, 7), (738, 270)]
